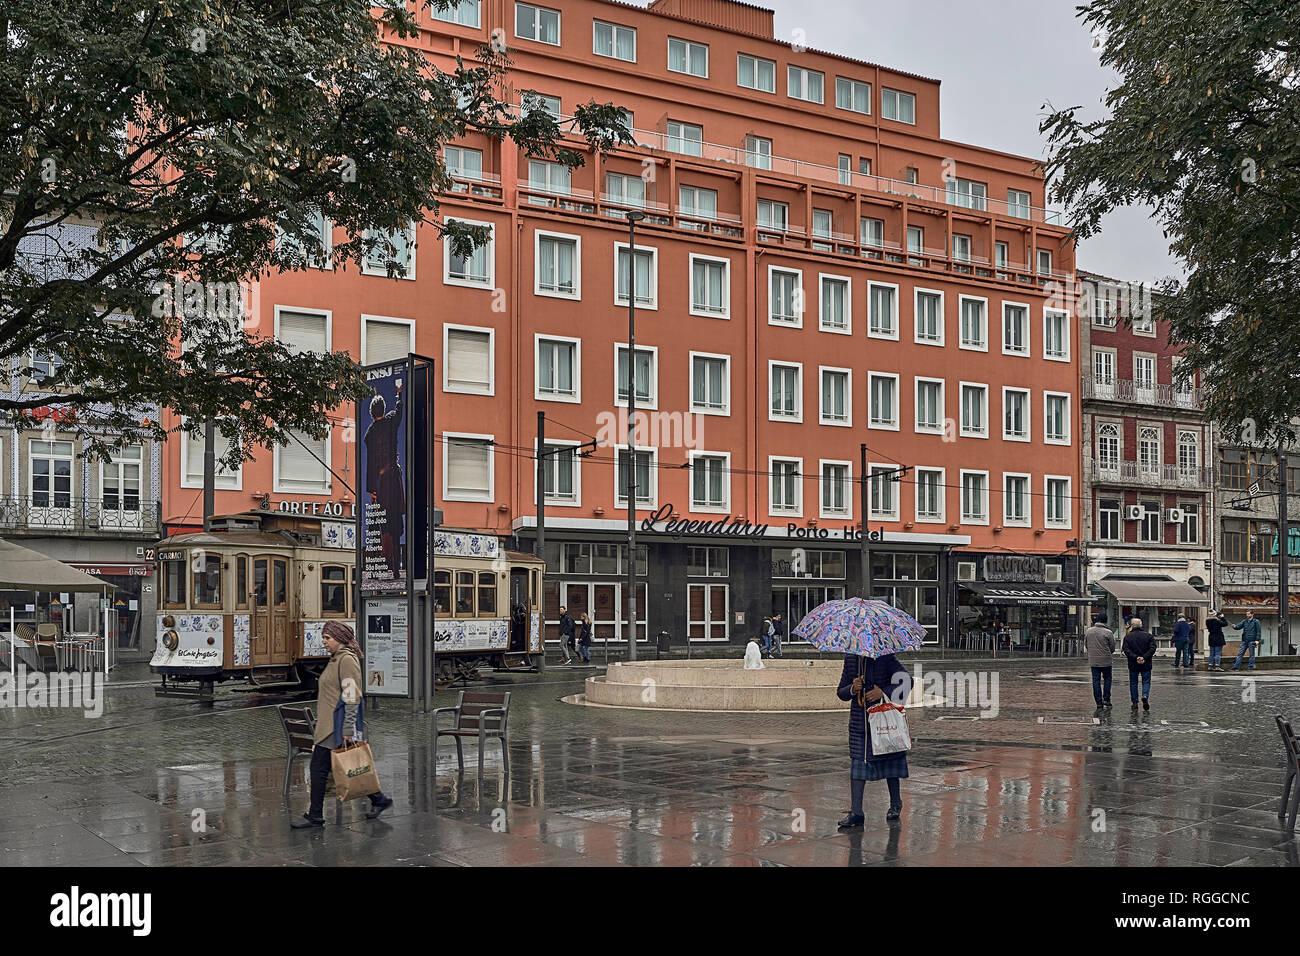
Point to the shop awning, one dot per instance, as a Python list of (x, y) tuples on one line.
[(1046, 594), (1153, 593)]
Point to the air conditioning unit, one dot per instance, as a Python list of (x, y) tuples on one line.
[(1053, 574), (965, 570), (1173, 516), (1135, 512)]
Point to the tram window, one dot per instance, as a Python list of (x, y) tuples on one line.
[(207, 580), (241, 580), (487, 594), (174, 574), (281, 583), (333, 589), (441, 592), (259, 582), (465, 593)]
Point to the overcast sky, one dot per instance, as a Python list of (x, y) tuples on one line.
[(998, 62)]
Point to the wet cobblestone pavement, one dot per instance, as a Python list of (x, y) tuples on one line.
[(1044, 783)]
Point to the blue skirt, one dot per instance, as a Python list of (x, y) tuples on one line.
[(891, 765)]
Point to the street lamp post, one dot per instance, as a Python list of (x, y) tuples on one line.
[(633, 217)]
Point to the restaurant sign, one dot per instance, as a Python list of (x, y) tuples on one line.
[(1015, 567)]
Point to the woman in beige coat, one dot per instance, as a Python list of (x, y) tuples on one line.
[(339, 719)]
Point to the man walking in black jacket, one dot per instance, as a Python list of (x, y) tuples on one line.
[(1140, 649), (566, 634)]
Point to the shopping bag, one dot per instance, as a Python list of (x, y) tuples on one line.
[(889, 732), (354, 771)]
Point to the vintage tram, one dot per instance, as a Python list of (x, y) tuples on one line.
[(247, 600)]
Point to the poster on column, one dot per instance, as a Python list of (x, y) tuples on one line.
[(386, 647), (382, 464)]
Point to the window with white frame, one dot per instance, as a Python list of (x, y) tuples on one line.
[(836, 301), (786, 398), (558, 367), (1018, 203), (1109, 526), (463, 162), (898, 106), (1151, 530), (685, 138), (883, 487), (625, 190), (1056, 334), (645, 376), (1103, 370), (974, 410), (883, 394), (756, 73), (467, 467), (1015, 414), (852, 95), (974, 323), (1108, 447), (975, 497), (301, 331), (758, 152), (710, 384), (645, 475), (537, 23), (1056, 418), (302, 465), (49, 470), (1056, 501), (476, 269), (687, 57), (467, 360), (560, 473), (882, 304), (823, 226), (463, 12), (386, 340), (1189, 453), (929, 494), (548, 177), (836, 403), (227, 479), (647, 276), (915, 242), (773, 215), (805, 84), (873, 232), (612, 40), (1001, 253), (710, 286), (929, 405), (836, 489), (559, 266), (1189, 531), (396, 248), (709, 482), (928, 317), (314, 248), (785, 299), (1015, 500), (1015, 329), (1149, 450), (961, 249), (787, 485), (1144, 372), (697, 201), (966, 193), (1044, 262), (120, 487)]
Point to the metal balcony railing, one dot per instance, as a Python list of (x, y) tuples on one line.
[(1151, 476), (62, 514), (1143, 393)]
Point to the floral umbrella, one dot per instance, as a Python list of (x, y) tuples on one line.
[(862, 627)]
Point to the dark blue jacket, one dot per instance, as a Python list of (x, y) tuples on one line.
[(1139, 644), (1249, 628), (890, 676), (1182, 631)]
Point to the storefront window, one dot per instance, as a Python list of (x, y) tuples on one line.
[(892, 577), (803, 563), (706, 562), (601, 559)]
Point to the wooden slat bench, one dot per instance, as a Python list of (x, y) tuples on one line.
[(300, 733), (476, 715)]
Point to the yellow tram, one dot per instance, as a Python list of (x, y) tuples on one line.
[(247, 600)]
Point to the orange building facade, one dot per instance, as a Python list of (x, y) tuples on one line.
[(818, 269)]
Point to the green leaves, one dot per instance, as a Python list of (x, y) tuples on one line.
[(1205, 127)]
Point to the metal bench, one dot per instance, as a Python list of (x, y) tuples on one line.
[(476, 715), (300, 733), (1291, 789)]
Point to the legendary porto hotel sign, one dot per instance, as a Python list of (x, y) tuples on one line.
[(729, 527)]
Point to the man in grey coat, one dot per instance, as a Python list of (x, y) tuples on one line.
[(1101, 649)]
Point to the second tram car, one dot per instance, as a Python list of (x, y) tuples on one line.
[(247, 601)]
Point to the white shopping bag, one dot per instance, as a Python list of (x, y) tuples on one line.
[(888, 725)]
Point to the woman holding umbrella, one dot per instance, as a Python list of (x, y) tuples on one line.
[(868, 634)]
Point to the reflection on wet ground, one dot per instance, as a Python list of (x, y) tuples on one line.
[(1048, 782)]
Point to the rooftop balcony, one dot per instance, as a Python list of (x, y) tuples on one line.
[(1143, 393), (1137, 474)]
